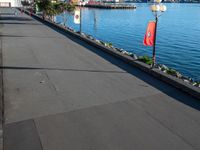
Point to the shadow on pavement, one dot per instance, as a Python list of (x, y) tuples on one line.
[(15, 18), (23, 36), (7, 13), (60, 69), (20, 23), (160, 85)]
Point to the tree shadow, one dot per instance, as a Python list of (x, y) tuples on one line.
[(2, 13), (19, 23), (24, 36), (15, 18)]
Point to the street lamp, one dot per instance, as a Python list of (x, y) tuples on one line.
[(157, 8)]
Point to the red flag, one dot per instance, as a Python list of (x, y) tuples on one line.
[(150, 34)]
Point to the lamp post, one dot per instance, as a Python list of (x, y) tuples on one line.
[(157, 8)]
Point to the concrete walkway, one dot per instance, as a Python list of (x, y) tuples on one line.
[(62, 94)]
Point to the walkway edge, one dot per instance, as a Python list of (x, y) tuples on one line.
[(1, 97), (176, 82)]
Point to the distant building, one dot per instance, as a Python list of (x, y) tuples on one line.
[(118, 1), (104, 1), (74, 1), (10, 3)]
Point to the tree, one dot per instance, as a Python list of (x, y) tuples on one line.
[(44, 6), (25, 3), (51, 9)]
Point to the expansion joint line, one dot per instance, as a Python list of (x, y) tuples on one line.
[(1, 96)]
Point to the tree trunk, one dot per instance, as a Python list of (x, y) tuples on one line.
[(43, 15)]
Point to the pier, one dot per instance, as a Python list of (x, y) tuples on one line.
[(111, 6), (60, 93)]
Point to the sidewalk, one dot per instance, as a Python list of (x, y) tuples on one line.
[(62, 94)]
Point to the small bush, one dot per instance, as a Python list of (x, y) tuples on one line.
[(172, 72), (146, 59), (110, 44)]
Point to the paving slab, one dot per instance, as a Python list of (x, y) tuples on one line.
[(119, 126), (21, 136)]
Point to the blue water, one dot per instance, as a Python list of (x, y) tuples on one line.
[(178, 36)]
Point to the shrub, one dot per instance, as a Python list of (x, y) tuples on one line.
[(146, 59), (171, 72)]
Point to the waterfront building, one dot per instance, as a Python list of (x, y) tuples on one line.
[(118, 1), (114, 1), (74, 1), (10, 3)]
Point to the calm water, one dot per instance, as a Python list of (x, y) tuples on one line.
[(178, 40)]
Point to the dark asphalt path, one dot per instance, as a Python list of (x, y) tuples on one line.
[(62, 94)]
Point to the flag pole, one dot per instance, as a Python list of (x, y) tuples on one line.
[(154, 45)]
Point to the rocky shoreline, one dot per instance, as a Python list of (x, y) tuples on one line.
[(145, 59)]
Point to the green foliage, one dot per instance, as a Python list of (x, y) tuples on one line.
[(197, 83), (110, 44), (43, 5), (51, 9), (146, 59), (69, 7), (25, 3), (171, 72)]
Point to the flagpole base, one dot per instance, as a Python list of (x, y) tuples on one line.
[(152, 66)]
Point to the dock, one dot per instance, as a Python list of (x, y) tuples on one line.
[(61, 93), (111, 6)]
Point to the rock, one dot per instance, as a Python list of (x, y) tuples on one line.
[(183, 77), (112, 47), (185, 80), (106, 44), (130, 54), (178, 75), (98, 41), (158, 66), (125, 52), (135, 56), (194, 84), (165, 71), (119, 50), (190, 79), (163, 67), (90, 37), (83, 34)]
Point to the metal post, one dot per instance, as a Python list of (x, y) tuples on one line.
[(154, 46), (80, 20), (65, 19)]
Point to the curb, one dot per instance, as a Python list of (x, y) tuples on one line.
[(169, 79), (1, 98)]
